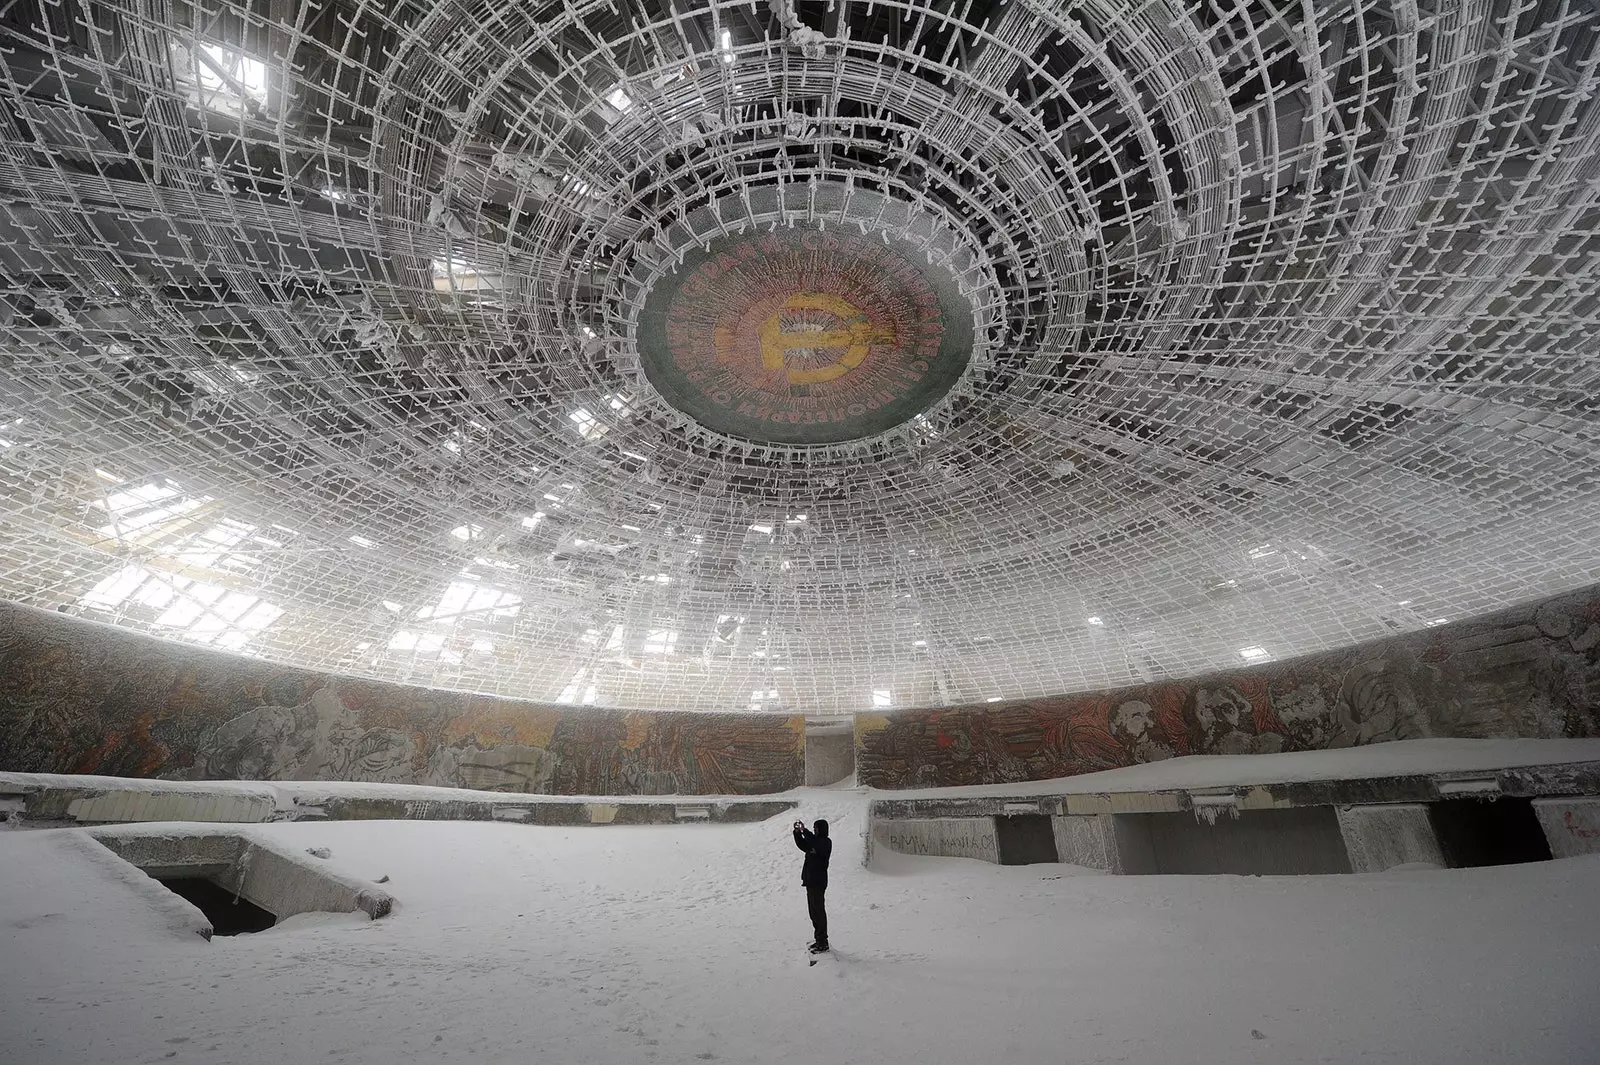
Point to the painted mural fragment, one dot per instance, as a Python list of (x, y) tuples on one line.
[(1532, 671), (77, 697)]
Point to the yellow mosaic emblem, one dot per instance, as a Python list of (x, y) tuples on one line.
[(855, 337)]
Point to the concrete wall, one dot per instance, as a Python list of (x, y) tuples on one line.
[(1532, 671), (966, 837), (1384, 836), (1572, 826), (80, 697)]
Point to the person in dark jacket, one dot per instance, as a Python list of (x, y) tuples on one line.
[(814, 876)]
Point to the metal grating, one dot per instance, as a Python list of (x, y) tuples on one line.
[(318, 331)]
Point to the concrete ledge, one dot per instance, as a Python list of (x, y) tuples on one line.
[(566, 812), (49, 798), (103, 805)]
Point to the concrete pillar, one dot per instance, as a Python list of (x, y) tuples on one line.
[(1571, 825), (948, 837), (1088, 840), (1380, 837)]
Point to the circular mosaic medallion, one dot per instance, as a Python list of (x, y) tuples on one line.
[(805, 336)]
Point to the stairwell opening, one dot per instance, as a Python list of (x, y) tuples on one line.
[(1502, 831), (229, 913), (1025, 839)]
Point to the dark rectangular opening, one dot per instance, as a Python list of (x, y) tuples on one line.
[(229, 914), (1025, 839), (1287, 842), (1500, 831)]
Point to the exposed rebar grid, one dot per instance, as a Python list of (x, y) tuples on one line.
[(322, 335)]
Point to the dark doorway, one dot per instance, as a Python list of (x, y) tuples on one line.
[(1025, 839), (1488, 832), (1286, 842), (229, 914)]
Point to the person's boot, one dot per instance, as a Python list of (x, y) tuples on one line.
[(818, 948)]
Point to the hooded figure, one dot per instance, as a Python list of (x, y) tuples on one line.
[(814, 876)]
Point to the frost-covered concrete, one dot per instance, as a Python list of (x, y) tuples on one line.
[(1571, 825), (654, 944), (945, 837), (1089, 841), (1382, 837), (278, 880)]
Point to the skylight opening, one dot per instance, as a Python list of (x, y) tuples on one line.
[(660, 641), (458, 275), (220, 78), (495, 563), (133, 498), (882, 698), (203, 612), (619, 100), (1097, 621), (467, 533), (420, 643), (464, 598), (1255, 654), (362, 541), (105, 476), (146, 508), (531, 521), (213, 547), (589, 426), (116, 589), (727, 46)]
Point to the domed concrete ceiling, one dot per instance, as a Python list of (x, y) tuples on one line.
[(813, 356)]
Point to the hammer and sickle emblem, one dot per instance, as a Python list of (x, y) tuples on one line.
[(855, 336)]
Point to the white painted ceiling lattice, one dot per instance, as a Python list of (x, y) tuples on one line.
[(317, 327)]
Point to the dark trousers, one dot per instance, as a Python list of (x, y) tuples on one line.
[(819, 913)]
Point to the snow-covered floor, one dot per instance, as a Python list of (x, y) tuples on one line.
[(685, 943)]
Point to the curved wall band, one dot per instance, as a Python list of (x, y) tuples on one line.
[(82, 697)]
